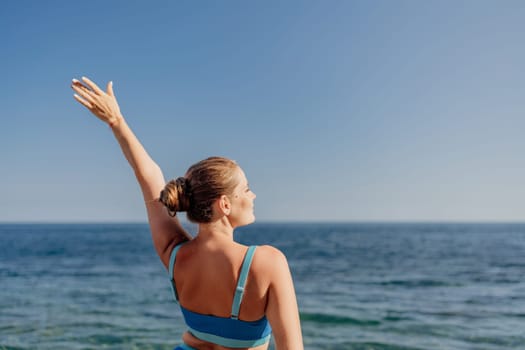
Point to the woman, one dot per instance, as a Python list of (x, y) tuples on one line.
[(227, 292)]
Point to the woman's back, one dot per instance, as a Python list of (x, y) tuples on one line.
[(211, 276), (206, 275)]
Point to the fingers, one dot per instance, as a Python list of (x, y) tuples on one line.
[(83, 102), (77, 85), (93, 86), (83, 92), (110, 89)]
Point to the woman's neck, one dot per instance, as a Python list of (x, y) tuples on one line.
[(220, 229)]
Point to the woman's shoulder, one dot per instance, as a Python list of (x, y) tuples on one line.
[(267, 258), (269, 251)]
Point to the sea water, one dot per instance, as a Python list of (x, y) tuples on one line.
[(359, 286)]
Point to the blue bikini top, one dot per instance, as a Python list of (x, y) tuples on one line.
[(225, 331)]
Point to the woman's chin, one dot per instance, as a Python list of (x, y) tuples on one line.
[(250, 221)]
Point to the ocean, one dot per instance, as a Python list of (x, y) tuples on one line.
[(373, 286)]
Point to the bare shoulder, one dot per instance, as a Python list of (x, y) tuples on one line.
[(268, 258)]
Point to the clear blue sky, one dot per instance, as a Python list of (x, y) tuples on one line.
[(336, 110)]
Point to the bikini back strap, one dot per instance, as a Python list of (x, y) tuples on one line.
[(171, 268), (239, 290)]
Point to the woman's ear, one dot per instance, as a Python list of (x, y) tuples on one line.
[(225, 205)]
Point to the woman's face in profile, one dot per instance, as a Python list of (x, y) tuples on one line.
[(242, 202)]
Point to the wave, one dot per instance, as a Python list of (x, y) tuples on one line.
[(5, 347), (417, 283), (336, 319), (397, 318)]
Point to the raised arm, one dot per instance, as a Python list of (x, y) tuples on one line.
[(166, 231)]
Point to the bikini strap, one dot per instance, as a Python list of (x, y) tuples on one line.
[(171, 268), (239, 290)]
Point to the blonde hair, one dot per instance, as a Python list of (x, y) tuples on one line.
[(203, 183)]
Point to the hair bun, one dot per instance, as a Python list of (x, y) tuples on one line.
[(175, 195)]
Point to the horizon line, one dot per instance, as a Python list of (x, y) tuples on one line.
[(117, 222)]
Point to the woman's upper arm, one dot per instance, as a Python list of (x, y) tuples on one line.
[(282, 310), (166, 230)]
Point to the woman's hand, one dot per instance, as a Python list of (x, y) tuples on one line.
[(102, 104)]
